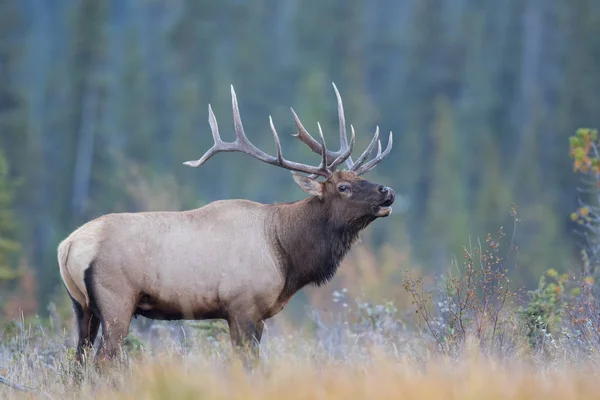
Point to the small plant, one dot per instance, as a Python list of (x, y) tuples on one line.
[(133, 345), (212, 330), (542, 315), (582, 311), (584, 151), (586, 161), (472, 302)]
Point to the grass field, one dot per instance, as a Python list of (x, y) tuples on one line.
[(381, 379), (297, 376), (438, 379), (376, 357)]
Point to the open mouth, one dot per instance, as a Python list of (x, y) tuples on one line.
[(385, 208), (387, 203)]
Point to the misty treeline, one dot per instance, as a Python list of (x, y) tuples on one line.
[(102, 101)]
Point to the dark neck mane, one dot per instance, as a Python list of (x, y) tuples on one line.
[(310, 243)]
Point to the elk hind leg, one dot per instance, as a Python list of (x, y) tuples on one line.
[(87, 329), (113, 307)]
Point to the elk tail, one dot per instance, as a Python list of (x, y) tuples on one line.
[(77, 292)]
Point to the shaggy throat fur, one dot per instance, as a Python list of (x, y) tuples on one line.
[(314, 253)]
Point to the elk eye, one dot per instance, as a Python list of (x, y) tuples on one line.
[(344, 188)]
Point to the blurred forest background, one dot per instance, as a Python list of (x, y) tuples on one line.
[(102, 101)]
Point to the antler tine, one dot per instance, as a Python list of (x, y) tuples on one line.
[(304, 136), (380, 156), (342, 123), (323, 164), (313, 171), (247, 147), (332, 156), (217, 146), (277, 143), (240, 135), (363, 157), (345, 156), (323, 147)]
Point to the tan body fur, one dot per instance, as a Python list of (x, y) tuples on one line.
[(185, 259), (176, 265)]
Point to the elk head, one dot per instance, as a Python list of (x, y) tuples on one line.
[(345, 194), (348, 198)]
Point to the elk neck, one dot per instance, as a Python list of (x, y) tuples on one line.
[(310, 242)]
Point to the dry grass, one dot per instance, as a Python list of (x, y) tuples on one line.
[(384, 378), (440, 379), (299, 367)]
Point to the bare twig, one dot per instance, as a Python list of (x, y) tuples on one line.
[(17, 386), (23, 388)]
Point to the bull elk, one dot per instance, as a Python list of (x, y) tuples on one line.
[(236, 260)]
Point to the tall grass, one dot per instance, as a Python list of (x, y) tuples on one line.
[(384, 377), (369, 351)]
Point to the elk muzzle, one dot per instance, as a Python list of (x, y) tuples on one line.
[(385, 207)]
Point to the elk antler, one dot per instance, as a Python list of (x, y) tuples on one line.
[(329, 160), (242, 144), (333, 157)]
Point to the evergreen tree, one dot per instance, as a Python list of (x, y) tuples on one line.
[(13, 107), (447, 219), (8, 244)]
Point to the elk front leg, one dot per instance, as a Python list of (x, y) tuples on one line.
[(245, 338)]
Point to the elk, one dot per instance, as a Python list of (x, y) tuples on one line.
[(234, 259)]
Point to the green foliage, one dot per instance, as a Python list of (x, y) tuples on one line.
[(213, 329), (543, 313), (8, 244), (448, 222), (133, 345), (583, 151)]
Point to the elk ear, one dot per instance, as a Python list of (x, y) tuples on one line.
[(310, 186)]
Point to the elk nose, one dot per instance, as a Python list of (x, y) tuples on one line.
[(384, 189)]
